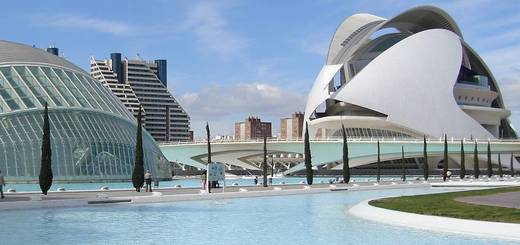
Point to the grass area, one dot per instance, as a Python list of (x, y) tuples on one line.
[(444, 204)]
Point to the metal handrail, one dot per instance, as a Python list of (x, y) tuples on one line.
[(336, 139)]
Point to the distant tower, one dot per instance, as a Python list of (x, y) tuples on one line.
[(161, 71), (117, 66)]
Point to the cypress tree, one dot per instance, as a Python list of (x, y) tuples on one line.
[(445, 163), (426, 168), (138, 172), (462, 161), (378, 164), (489, 166), (272, 166), (209, 153), (264, 165), (45, 178), (511, 169), (476, 168), (403, 168), (500, 173), (209, 142), (308, 163), (346, 168)]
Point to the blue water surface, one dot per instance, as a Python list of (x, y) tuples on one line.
[(296, 219)]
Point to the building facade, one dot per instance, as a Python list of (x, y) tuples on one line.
[(144, 83), (406, 77), (252, 128), (92, 133), (291, 128)]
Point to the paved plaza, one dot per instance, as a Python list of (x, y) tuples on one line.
[(507, 200)]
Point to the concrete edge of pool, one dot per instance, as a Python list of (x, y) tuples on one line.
[(103, 199), (485, 229)]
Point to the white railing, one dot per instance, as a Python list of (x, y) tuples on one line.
[(336, 139)]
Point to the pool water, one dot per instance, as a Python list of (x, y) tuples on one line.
[(297, 219), (191, 182)]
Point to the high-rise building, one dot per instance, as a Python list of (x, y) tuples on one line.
[(291, 128), (252, 128), (144, 83)]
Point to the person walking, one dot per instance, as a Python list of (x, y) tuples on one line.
[(203, 181), (256, 180), (2, 184), (148, 181)]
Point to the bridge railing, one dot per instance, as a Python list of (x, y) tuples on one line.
[(351, 139)]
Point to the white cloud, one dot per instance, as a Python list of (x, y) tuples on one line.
[(222, 105), (257, 98), (86, 22), (211, 29)]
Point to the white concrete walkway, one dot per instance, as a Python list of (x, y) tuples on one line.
[(79, 199), (435, 223), (480, 183)]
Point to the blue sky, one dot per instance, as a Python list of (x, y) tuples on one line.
[(230, 59)]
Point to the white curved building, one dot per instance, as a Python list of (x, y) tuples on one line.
[(405, 77)]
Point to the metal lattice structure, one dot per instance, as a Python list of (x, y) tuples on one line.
[(92, 133)]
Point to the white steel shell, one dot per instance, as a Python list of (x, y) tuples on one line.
[(409, 73)]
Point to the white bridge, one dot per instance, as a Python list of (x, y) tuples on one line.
[(289, 154)]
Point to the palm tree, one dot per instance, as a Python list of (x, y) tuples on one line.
[(462, 161), (489, 166), (378, 162), (138, 172), (445, 162), (45, 178), (264, 164), (500, 173), (403, 168), (511, 169), (425, 156), (476, 168), (308, 163), (346, 169)]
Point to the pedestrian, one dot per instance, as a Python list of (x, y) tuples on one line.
[(148, 181), (256, 180), (2, 184), (203, 181)]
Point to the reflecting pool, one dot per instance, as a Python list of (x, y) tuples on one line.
[(297, 219)]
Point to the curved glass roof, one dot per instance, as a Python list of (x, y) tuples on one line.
[(14, 53), (92, 132), (31, 86)]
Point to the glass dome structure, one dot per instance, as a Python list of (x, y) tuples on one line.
[(92, 133)]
